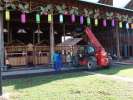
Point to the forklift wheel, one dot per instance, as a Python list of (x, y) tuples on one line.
[(92, 65)]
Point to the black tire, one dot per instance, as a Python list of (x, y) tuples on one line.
[(92, 63)]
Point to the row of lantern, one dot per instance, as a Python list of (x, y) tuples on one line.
[(23, 17), (73, 19)]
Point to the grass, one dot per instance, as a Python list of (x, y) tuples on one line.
[(69, 86), (125, 71)]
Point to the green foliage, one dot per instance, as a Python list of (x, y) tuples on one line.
[(45, 9), (74, 10), (62, 9), (97, 13), (109, 15), (9, 6), (130, 19), (119, 16), (24, 7), (125, 17), (1, 3), (88, 12)]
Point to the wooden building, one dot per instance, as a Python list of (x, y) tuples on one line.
[(34, 39)]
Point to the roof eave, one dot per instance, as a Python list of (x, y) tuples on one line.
[(105, 5)]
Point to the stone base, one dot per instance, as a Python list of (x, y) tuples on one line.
[(4, 68)]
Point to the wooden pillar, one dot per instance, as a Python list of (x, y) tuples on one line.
[(1, 48), (33, 52), (52, 37), (64, 31), (38, 34), (11, 35), (128, 43), (8, 34), (118, 42)]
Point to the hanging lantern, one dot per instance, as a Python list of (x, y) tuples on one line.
[(37, 18), (61, 18), (132, 25), (7, 15), (88, 21), (104, 23), (81, 19), (73, 18), (96, 22), (23, 18), (120, 24), (23, 31), (113, 23), (49, 18), (127, 25)]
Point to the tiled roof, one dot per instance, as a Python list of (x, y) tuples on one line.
[(108, 2), (130, 5)]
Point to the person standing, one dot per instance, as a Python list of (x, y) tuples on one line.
[(57, 61), (68, 59)]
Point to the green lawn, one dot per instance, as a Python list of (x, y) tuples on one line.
[(70, 86), (125, 70)]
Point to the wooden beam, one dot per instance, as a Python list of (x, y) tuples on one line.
[(1, 49), (79, 4), (36, 3), (118, 42), (52, 38)]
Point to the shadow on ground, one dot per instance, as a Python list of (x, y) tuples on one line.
[(28, 82), (36, 81)]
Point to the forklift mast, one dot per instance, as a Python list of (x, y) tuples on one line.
[(94, 41)]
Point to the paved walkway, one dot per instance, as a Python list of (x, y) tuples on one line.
[(125, 62), (38, 71), (44, 71)]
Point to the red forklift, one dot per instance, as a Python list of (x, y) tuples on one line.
[(93, 55)]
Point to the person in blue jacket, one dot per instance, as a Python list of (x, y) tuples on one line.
[(57, 59)]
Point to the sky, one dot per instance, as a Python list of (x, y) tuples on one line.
[(116, 3)]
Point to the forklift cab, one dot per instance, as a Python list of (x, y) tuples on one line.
[(90, 50)]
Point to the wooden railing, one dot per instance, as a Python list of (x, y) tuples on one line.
[(42, 55), (18, 55)]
